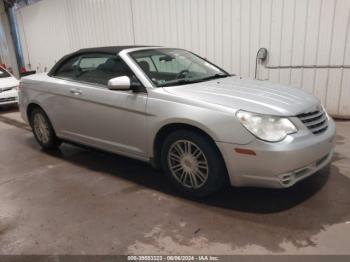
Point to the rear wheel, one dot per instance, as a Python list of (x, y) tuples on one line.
[(193, 164), (43, 130)]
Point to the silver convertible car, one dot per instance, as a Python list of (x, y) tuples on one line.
[(202, 126)]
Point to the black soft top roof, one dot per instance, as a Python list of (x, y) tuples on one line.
[(105, 49)]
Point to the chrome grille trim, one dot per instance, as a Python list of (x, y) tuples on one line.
[(315, 121), (9, 99), (310, 116)]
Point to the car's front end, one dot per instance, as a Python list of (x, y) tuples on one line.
[(269, 135), (291, 134), (8, 88), (283, 163), (8, 96)]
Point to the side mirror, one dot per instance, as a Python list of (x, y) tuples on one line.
[(119, 83)]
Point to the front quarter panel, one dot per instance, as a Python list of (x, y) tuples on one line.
[(218, 122)]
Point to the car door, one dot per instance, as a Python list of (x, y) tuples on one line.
[(94, 115)]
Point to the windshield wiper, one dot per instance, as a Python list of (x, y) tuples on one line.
[(185, 81), (179, 82), (216, 76)]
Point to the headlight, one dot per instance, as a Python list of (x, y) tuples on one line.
[(265, 127)]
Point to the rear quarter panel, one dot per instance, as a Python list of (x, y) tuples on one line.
[(38, 89)]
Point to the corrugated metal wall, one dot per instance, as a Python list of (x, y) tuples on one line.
[(228, 32)]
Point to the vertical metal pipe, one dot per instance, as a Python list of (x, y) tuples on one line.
[(11, 13)]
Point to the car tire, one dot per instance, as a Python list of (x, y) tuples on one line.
[(43, 131), (193, 163)]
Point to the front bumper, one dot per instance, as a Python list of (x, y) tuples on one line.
[(9, 97), (279, 165)]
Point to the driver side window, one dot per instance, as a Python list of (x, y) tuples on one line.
[(94, 68), (68, 69)]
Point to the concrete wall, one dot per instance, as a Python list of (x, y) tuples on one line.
[(228, 32)]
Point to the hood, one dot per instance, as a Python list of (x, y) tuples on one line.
[(8, 82), (250, 95)]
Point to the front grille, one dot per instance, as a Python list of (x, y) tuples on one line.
[(315, 121), (9, 99)]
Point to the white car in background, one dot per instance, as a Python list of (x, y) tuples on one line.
[(8, 88)]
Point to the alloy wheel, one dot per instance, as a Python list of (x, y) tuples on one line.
[(41, 128), (188, 164)]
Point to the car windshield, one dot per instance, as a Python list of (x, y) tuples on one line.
[(4, 73), (170, 67)]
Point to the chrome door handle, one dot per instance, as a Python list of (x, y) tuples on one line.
[(76, 92)]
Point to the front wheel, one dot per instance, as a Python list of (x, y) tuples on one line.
[(43, 130), (193, 163)]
